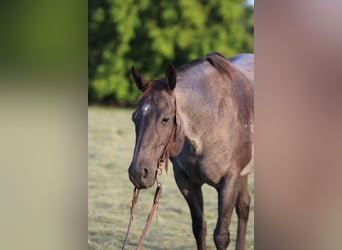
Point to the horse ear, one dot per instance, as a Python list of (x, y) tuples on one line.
[(171, 77), (139, 79)]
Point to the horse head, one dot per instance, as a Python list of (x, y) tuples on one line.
[(158, 127)]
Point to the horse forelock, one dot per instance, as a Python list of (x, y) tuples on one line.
[(147, 91), (159, 84), (157, 94)]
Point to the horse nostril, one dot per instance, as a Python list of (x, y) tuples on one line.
[(145, 173)]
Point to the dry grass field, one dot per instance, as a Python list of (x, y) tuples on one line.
[(110, 146)]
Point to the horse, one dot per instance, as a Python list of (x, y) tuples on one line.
[(201, 117)]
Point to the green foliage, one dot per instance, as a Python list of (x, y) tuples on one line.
[(149, 34)]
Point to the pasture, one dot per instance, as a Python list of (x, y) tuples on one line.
[(111, 141)]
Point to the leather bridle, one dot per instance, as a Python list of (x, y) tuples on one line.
[(162, 163), (163, 160)]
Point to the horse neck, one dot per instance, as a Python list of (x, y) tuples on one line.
[(207, 101), (198, 101)]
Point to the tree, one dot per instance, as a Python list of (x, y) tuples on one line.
[(149, 34)]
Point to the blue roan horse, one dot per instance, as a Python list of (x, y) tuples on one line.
[(201, 117)]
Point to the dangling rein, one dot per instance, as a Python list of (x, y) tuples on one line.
[(149, 217), (153, 208)]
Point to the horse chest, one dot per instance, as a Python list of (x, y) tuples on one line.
[(202, 166)]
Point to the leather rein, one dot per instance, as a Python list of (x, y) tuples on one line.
[(162, 163)]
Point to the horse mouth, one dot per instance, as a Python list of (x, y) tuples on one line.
[(141, 182)]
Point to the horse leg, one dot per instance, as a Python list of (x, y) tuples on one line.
[(194, 197), (242, 210), (227, 196)]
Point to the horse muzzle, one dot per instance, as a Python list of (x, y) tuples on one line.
[(141, 177)]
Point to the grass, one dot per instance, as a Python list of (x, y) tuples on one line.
[(110, 145)]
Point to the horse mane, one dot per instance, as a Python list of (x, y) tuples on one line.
[(218, 61), (185, 67), (244, 99)]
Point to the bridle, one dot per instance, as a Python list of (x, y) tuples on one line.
[(162, 163), (163, 160)]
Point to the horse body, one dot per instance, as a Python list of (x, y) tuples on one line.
[(207, 108), (213, 100)]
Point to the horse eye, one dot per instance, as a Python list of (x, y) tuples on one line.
[(165, 120)]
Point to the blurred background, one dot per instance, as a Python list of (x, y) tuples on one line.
[(149, 34), (44, 130)]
